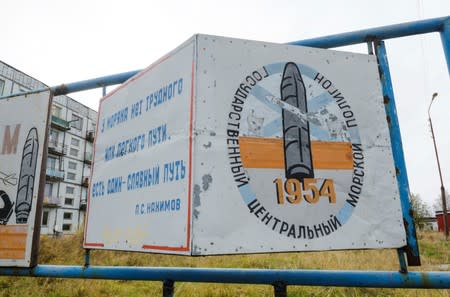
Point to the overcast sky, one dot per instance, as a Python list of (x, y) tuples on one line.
[(62, 41)]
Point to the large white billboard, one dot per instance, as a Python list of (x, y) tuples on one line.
[(234, 146), (23, 128)]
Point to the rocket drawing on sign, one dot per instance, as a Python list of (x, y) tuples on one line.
[(25, 188), (297, 143)]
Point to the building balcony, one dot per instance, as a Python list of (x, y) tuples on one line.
[(88, 158), (90, 136), (85, 181), (54, 174), (50, 201), (60, 124), (83, 204), (57, 148)]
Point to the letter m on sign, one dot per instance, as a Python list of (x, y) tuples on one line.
[(10, 142)]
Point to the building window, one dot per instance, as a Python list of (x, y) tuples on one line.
[(72, 165), (68, 201), (70, 190), (52, 163), (45, 218), (67, 216), (48, 189), (76, 122), (54, 135), (74, 152), (75, 142), (2, 86), (71, 175), (67, 227), (56, 111)]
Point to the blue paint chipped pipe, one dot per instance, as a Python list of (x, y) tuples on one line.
[(378, 33), (93, 83), (397, 152), (372, 279)]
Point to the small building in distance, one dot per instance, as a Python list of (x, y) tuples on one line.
[(440, 220)]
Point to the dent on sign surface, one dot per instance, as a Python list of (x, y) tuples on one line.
[(23, 124), (236, 146)]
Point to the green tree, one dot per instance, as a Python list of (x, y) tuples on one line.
[(420, 210)]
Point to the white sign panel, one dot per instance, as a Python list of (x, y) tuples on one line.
[(23, 126), (140, 187), (279, 148)]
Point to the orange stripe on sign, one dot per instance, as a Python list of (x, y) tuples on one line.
[(13, 240), (258, 152)]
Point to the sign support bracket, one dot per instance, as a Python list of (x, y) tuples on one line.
[(87, 257), (411, 248)]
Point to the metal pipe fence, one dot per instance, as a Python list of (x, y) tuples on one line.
[(282, 278)]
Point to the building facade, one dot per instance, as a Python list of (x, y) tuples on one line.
[(70, 152)]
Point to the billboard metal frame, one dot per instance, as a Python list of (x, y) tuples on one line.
[(280, 279)]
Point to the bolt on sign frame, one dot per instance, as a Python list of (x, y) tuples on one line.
[(280, 279)]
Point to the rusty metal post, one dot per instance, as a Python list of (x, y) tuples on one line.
[(370, 47), (402, 261), (168, 288), (87, 257), (280, 289)]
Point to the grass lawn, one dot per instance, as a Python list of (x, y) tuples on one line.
[(67, 250)]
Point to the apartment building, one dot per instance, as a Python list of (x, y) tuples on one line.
[(70, 150)]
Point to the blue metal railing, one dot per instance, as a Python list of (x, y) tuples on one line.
[(373, 279), (379, 33)]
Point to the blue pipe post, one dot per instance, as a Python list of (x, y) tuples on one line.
[(445, 38), (94, 83), (400, 252), (372, 279), (412, 248), (89, 84)]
